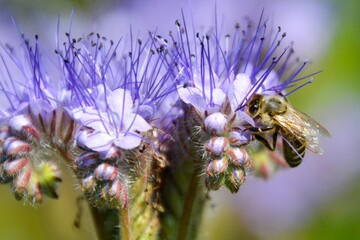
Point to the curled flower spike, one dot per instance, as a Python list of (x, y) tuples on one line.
[(101, 179), (28, 155)]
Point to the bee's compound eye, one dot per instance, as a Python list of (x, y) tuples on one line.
[(254, 106)]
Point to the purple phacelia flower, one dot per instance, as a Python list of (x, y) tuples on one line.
[(117, 123), (118, 101), (217, 75)]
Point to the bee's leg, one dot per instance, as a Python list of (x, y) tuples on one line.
[(266, 142), (259, 130), (260, 137)]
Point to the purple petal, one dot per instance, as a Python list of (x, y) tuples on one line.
[(146, 111), (193, 96), (97, 141), (243, 118), (139, 124), (128, 142), (271, 80), (89, 117), (218, 96), (241, 86), (119, 103)]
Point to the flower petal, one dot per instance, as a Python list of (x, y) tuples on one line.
[(193, 96), (97, 141), (90, 117), (238, 91), (120, 100), (140, 124), (128, 142)]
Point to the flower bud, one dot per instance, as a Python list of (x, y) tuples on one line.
[(216, 167), (214, 182), (106, 172), (4, 134), (238, 157), (87, 160), (88, 183), (217, 145), (112, 153), (237, 138), (21, 182), (15, 147), (22, 126), (34, 192), (12, 167), (115, 194), (215, 123), (236, 177)]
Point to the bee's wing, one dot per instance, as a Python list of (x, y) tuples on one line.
[(303, 128)]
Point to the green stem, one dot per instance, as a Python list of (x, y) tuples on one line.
[(183, 186), (125, 227), (191, 211), (105, 222)]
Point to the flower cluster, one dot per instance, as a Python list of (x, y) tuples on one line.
[(219, 74), (116, 115), (92, 111)]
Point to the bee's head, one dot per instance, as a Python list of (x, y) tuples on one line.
[(254, 105)]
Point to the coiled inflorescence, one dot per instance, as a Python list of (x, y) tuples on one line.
[(31, 145)]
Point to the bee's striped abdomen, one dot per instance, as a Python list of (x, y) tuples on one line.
[(293, 158)]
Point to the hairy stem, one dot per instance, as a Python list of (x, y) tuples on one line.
[(190, 217), (139, 217), (183, 190), (125, 221), (105, 223)]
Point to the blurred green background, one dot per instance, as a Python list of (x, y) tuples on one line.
[(328, 187)]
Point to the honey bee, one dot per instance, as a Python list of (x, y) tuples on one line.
[(276, 116)]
